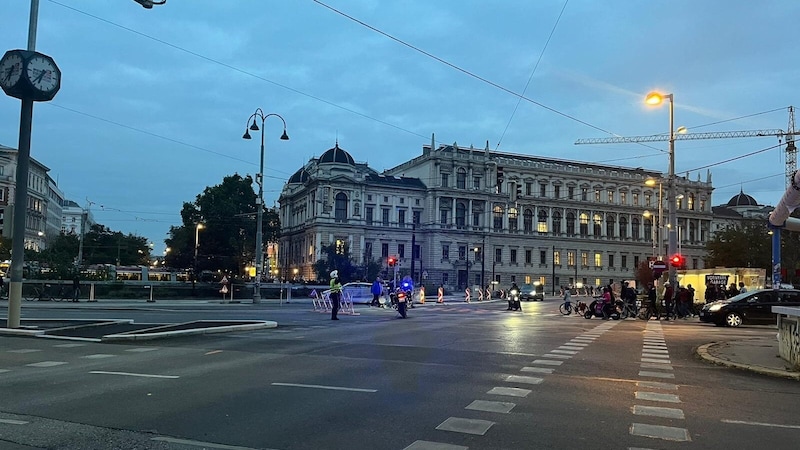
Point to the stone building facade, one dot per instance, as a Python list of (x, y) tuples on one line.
[(475, 215)]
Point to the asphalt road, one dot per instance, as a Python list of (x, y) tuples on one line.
[(449, 377)]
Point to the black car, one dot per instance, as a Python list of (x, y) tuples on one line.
[(532, 292), (751, 307)]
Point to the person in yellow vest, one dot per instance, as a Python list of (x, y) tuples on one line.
[(440, 294), (422, 294), (336, 292)]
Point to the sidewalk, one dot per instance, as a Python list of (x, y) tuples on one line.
[(758, 355)]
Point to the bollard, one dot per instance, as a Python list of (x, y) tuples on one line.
[(91, 293), (150, 300)]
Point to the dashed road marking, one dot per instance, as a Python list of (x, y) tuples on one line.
[(550, 355), (141, 349), (129, 374), (658, 411), (524, 379), (658, 397), (655, 366), (46, 364), (646, 373), (660, 432), (209, 445), (654, 360), (70, 345), (760, 424), (428, 445), (509, 391), (24, 350), (468, 426), (565, 352), (537, 369), (98, 356), (657, 385), (547, 362), (4, 370), (13, 422), (333, 388), (489, 406)]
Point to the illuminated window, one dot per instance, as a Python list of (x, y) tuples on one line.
[(598, 260), (541, 226), (557, 258), (340, 245), (570, 258)]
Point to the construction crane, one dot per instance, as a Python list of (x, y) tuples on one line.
[(791, 150)]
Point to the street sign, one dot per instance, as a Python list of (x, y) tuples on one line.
[(659, 265)]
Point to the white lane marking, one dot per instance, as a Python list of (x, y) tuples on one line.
[(660, 432), (319, 386), (141, 349), (13, 422), (645, 373), (657, 385), (24, 350), (550, 355), (98, 356), (46, 364), (4, 370), (547, 362), (658, 397), (469, 426), (659, 361), (200, 444), (129, 374), (658, 411), (428, 445), (577, 344), (70, 345), (655, 366), (571, 347), (537, 369), (511, 392), (213, 352), (659, 351), (524, 379), (490, 406), (760, 424), (564, 352)]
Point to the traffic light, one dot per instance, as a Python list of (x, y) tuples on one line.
[(677, 260), (391, 261)]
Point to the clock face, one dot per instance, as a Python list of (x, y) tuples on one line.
[(43, 74), (10, 70)]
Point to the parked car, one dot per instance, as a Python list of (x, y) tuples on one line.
[(532, 292), (359, 291), (751, 307)]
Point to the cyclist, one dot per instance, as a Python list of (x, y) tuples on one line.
[(568, 298)]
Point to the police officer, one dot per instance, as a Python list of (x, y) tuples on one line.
[(335, 294)]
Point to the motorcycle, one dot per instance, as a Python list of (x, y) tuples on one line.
[(513, 300), (402, 297), (408, 288)]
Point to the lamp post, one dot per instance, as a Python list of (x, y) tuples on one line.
[(197, 229), (259, 114), (652, 217), (657, 229), (655, 98)]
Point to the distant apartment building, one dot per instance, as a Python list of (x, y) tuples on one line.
[(36, 211)]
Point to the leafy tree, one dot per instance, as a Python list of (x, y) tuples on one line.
[(748, 245), (227, 240), (339, 260), (644, 274)]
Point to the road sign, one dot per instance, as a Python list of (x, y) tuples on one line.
[(659, 265)]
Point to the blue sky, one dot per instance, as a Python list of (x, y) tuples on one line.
[(154, 102)]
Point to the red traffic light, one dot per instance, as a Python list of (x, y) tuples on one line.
[(392, 261), (677, 260)]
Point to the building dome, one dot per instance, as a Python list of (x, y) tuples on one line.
[(336, 155), (742, 199), (301, 176)]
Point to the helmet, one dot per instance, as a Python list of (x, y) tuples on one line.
[(334, 274)]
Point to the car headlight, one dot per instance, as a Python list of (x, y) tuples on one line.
[(714, 308)]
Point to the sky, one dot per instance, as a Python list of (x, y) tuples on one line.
[(153, 103)]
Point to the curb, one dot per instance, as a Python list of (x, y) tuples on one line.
[(703, 352)]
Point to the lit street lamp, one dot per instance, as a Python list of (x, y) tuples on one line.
[(259, 114), (655, 98), (197, 229)]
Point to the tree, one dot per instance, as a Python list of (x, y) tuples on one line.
[(227, 240), (644, 274), (748, 245), (335, 259)]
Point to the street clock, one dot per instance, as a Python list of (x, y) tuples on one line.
[(29, 75)]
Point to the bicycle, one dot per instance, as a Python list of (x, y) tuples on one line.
[(40, 294), (568, 308), (629, 310), (65, 294)]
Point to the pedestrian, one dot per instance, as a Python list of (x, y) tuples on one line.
[(335, 294), (668, 296), (711, 293), (652, 307), (376, 290), (742, 288), (76, 288)]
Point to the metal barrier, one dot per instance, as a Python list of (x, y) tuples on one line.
[(322, 303)]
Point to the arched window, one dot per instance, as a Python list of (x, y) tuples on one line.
[(527, 220), (584, 224), (340, 213), (610, 226), (597, 225), (461, 215), (513, 223), (461, 178), (497, 216), (635, 228), (623, 227), (692, 232), (570, 224), (541, 226), (648, 228), (557, 222)]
